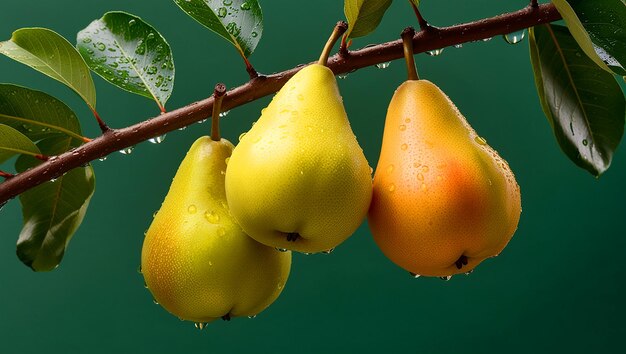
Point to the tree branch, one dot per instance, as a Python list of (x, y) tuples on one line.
[(114, 140)]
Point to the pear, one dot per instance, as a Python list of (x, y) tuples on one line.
[(196, 261), (298, 179), (443, 200)]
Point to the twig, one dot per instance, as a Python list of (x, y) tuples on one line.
[(117, 139)]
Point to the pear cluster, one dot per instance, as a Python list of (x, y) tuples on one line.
[(441, 200)]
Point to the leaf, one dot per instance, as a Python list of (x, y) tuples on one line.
[(605, 23), (12, 142), (238, 21), (52, 211), (584, 104), (36, 114), (49, 53), (130, 54), (364, 16)]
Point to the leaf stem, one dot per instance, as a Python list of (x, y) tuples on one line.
[(6, 175), (407, 44), (340, 28), (424, 26), (250, 69), (103, 126), (218, 95)]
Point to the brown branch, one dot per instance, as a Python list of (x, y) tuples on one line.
[(117, 139)]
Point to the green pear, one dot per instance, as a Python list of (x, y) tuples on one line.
[(196, 261), (298, 179)]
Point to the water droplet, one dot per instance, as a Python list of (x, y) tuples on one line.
[(245, 6), (222, 12), (159, 81), (228, 2), (155, 301), (132, 22), (425, 169), (241, 136), (152, 70), (458, 46), (158, 139), (233, 29), (253, 316), (224, 114), (469, 272), (128, 150), (480, 140), (100, 46), (254, 34), (343, 76), (384, 65), (200, 325), (404, 147), (281, 249), (390, 169), (515, 37), (414, 275), (155, 214), (212, 217), (420, 177), (86, 40), (139, 269), (402, 127), (103, 158), (446, 278), (329, 251), (182, 128), (141, 48), (145, 285), (227, 160), (392, 187), (585, 142), (192, 209), (435, 52), (486, 39)]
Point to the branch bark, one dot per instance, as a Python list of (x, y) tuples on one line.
[(114, 140)]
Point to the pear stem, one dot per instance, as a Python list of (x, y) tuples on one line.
[(340, 29), (218, 94), (407, 43)]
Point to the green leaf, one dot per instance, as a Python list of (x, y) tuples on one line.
[(238, 21), (605, 21), (129, 53), (364, 15), (599, 27), (52, 211), (36, 114), (47, 52), (12, 142), (583, 103)]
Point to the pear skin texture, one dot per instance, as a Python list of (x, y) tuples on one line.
[(196, 261), (442, 196), (300, 169)]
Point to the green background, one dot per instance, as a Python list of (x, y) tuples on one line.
[(558, 287)]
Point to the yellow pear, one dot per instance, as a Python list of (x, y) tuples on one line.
[(443, 199), (196, 261), (298, 179)]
